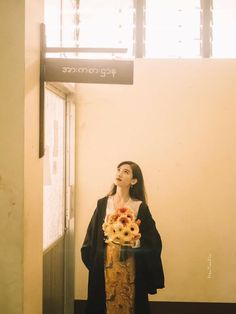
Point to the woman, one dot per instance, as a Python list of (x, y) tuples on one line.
[(122, 274)]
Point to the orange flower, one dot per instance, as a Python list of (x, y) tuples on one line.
[(123, 219), (120, 227), (130, 216), (128, 212), (122, 210), (112, 218)]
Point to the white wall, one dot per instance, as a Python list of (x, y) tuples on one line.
[(178, 123)]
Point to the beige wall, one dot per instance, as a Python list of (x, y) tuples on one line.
[(33, 166), (178, 122), (20, 168), (12, 145)]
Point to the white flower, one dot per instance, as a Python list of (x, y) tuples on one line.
[(118, 227), (133, 228), (126, 236)]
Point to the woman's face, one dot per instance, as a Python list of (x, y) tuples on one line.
[(124, 176)]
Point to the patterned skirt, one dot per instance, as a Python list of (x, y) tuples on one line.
[(119, 281)]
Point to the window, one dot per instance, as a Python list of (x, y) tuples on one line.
[(52, 18), (224, 26), (146, 28), (54, 169), (106, 24), (172, 29), (60, 20)]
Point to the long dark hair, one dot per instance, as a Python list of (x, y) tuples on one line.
[(137, 191)]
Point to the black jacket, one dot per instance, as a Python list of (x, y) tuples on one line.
[(149, 274)]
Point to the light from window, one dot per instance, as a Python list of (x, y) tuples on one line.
[(68, 22), (60, 22), (224, 26), (172, 29), (52, 20), (106, 24)]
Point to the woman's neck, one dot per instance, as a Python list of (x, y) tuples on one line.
[(121, 197)]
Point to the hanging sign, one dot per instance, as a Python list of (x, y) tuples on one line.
[(88, 71)]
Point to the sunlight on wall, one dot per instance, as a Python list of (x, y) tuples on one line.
[(178, 122)]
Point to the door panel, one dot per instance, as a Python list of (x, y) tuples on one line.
[(53, 278), (54, 203), (59, 180)]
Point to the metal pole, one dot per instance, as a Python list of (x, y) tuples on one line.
[(41, 91)]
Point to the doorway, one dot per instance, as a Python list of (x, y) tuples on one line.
[(58, 204)]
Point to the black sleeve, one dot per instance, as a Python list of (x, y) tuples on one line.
[(151, 247), (86, 250)]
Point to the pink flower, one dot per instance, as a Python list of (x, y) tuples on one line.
[(138, 222)]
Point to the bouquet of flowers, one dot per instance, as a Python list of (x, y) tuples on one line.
[(121, 228)]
